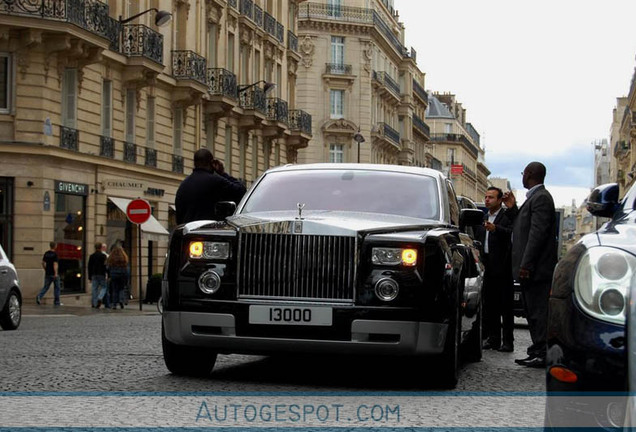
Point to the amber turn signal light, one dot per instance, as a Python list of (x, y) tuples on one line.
[(196, 249), (563, 374), (409, 257)]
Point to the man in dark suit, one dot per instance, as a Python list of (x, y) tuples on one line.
[(207, 185), (534, 255), (498, 287)]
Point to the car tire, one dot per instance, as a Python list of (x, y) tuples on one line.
[(472, 348), (187, 360), (11, 314)]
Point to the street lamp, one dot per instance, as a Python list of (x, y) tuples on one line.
[(161, 18), (359, 139), (266, 88)]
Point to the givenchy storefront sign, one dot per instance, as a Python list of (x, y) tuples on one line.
[(71, 188)]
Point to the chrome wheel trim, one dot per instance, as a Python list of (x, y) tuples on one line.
[(14, 309)]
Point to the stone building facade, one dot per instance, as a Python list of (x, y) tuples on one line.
[(361, 85), (99, 106)]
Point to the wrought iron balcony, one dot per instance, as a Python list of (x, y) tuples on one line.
[(300, 120), (90, 15), (419, 91), (389, 133), (177, 164), (382, 27), (422, 127), (69, 138), (292, 41), (459, 138), (188, 65), (139, 40), (151, 157), (277, 110), (387, 81), (246, 7), (269, 24), (221, 82), (253, 98), (280, 32), (130, 152), (258, 16), (233, 4), (338, 69), (106, 147)]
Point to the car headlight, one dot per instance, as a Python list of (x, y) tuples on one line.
[(209, 250), (394, 256), (602, 282)]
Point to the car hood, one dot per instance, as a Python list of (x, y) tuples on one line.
[(619, 232), (328, 223)]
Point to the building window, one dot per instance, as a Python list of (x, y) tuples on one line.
[(230, 52), (337, 53), (6, 83), (450, 156), (150, 122), (267, 146), (336, 153), (178, 130), (69, 98), (228, 149), (107, 108), (212, 44), (6, 215), (279, 80), (254, 158), (334, 8), (337, 104), (245, 62), (242, 155), (257, 65), (277, 154), (448, 128), (131, 107)]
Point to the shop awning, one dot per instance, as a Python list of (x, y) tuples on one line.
[(152, 229)]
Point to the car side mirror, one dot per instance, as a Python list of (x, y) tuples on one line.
[(224, 209), (603, 200), (470, 217)]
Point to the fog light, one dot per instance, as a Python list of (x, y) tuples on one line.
[(209, 282), (387, 289), (611, 302)]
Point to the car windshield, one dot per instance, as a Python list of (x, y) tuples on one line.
[(383, 192)]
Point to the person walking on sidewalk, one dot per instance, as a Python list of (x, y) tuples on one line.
[(50, 266), (97, 274), (117, 264)]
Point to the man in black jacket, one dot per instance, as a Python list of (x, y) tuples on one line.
[(207, 185), (97, 274), (534, 256), (498, 285)]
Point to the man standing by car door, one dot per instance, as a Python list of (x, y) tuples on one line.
[(534, 255), (498, 287)]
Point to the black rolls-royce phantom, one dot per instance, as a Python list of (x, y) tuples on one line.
[(327, 258)]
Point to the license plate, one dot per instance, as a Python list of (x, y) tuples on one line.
[(290, 315), (517, 296)]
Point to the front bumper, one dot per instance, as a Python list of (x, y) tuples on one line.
[(370, 337)]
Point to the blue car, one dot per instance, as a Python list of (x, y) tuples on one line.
[(586, 352)]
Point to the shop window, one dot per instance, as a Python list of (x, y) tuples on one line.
[(69, 234), (6, 215)]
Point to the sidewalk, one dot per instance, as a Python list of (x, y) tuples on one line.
[(32, 309)]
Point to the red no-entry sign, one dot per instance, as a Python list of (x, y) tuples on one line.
[(138, 211)]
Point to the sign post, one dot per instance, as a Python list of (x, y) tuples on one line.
[(138, 212)]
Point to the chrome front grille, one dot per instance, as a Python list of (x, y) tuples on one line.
[(296, 267)]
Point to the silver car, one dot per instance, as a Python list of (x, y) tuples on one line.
[(10, 294)]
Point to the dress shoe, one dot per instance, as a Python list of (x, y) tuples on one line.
[(491, 345), (522, 362), (537, 362), (506, 348), (37, 299)]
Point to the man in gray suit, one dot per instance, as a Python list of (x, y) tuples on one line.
[(534, 255)]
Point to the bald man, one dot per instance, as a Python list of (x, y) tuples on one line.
[(534, 255)]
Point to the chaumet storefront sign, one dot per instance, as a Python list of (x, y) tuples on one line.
[(131, 185), (70, 188)]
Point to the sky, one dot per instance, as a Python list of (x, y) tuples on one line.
[(538, 79)]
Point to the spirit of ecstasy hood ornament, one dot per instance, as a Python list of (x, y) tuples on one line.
[(300, 210)]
